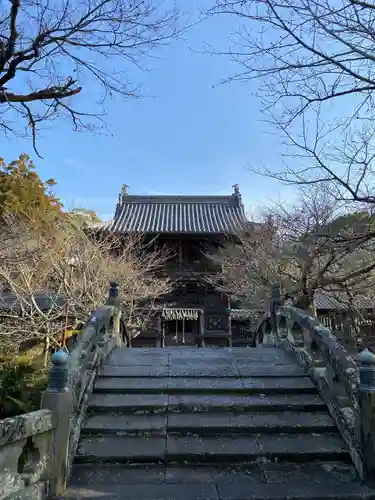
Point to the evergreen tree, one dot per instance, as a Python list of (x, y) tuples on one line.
[(24, 194)]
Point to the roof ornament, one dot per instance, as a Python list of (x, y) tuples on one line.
[(236, 189), (236, 194), (123, 193)]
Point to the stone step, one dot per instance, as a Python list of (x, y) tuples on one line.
[(202, 371), (156, 403), (294, 491), (172, 343), (257, 472), (298, 447), (143, 342), (180, 385), (261, 481), (209, 423), (242, 342), (188, 483), (117, 423), (261, 358)]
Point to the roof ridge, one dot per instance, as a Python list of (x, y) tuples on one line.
[(177, 198), (172, 215)]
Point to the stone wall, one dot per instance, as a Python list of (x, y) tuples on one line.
[(26, 450)]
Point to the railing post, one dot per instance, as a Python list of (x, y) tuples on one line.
[(114, 300), (366, 366), (58, 398)]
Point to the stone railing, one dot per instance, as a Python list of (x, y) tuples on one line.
[(347, 385), (37, 448)]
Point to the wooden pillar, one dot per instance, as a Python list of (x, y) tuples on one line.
[(159, 338), (114, 300), (229, 329), (346, 325), (274, 304), (180, 252), (196, 330), (162, 332), (201, 329)]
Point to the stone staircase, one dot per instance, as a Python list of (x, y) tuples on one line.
[(229, 424)]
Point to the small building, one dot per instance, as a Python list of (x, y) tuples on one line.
[(189, 225), (348, 321)]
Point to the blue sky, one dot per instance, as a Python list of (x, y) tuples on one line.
[(194, 137)]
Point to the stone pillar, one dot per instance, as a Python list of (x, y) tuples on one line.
[(58, 398), (366, 366)]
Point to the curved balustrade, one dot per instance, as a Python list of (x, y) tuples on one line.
[(347, 385), (44, 442)]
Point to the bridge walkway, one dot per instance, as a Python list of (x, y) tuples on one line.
[(214, 423)]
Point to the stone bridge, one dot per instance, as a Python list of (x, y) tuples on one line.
[(291, 419)]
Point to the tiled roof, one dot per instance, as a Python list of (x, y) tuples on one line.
[(43, 300), (330, 303), (178, 214)]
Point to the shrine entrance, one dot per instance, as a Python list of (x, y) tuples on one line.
[(182, 326)]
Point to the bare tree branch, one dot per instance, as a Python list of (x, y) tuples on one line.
[(52, 50), (70, 275), (296, 247), (315, 64)]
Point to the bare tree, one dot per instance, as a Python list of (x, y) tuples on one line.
[(312, 256), (315, 62), (53, 50), (247, 265), (297, 247), (70, 277)]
